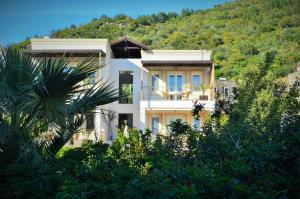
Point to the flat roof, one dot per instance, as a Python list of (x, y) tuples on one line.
[(67, 40), (68, 47)]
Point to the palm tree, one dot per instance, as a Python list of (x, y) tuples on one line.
[(43, 102)]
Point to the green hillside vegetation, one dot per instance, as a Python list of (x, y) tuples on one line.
[(238, 33)]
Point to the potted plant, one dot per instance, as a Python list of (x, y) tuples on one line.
[(203, 88)]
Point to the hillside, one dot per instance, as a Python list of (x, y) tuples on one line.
[(238, 33)]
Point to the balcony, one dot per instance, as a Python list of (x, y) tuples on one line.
[(161, 99)]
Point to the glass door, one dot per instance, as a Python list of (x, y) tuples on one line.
[(179, 81), (175, 82), (155, 83)]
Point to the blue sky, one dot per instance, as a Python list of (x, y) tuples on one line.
[(25, 18)]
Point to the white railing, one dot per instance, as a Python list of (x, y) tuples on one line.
[(161, 93)]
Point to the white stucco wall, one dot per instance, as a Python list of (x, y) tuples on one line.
[(111, 74), (102, 74)]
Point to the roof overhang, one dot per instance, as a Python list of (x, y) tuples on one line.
[(67, 53), (177, 63)]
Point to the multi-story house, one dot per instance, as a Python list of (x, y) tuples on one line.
[(161, 85)]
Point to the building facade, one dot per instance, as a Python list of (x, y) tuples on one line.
[(160, 85), (225, 88)]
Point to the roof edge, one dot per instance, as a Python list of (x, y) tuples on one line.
[(66, 40), (125, 38)]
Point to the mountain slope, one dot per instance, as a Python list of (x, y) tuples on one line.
[(238, 33)]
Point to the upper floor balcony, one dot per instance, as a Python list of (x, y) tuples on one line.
[(162, 98), (174, 79)]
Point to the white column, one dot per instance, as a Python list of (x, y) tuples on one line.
[(142, 116)]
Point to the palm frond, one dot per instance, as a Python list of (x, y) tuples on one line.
[(99, 94), (4, 129), (17, 69), (65, 131)]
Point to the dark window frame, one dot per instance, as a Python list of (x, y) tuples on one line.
[(129, 98), (129, 119), (90, 121)]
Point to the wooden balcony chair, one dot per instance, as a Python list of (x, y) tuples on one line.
[(186, 93), (165, 95)]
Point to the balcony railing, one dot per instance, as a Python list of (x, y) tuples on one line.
[(161, 93)]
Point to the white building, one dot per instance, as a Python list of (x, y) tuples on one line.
[(162, 84)]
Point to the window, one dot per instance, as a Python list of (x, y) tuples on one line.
[(90, 121), (225, 91), (173, 119), (172, 82), (155, 124), (197, 123), (125, 118), (126, 87), (196, 82), (155, 80), (175, 82), (216, 90), (179, 82)]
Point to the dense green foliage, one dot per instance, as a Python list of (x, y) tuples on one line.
[(43, 102), (237, 33), (250, 148)]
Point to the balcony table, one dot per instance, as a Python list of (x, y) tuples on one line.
[(175, 95)]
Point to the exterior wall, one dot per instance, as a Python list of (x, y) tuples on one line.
[(103, 75), (230, 84), (113, 68)]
